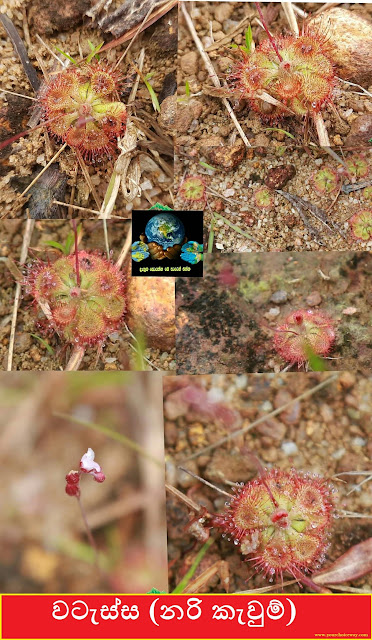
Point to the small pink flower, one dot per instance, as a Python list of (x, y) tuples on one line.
[(99, 477), (88, 465)]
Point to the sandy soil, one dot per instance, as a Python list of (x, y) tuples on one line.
[(226, 322), (279, 227), (326, 433)]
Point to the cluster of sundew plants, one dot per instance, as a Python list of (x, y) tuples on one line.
[(82, 295), (328, 181), (285, 75)]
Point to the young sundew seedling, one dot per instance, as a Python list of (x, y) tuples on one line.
[(367, 193), (193, 191), (263, 198), (280, 521), (325, 180), (357, 167), (303, 333), (83, 294), (361, 224)]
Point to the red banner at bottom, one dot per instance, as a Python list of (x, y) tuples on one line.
[(182, 616)]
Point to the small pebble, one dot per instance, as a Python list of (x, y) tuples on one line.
[(279, 297), (289, 448)]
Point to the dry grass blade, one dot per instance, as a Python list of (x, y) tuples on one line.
[(120, 508), (43, 170), (124, 250), (321, 130), (87, 177), (291, 17), (20, 48), (24, 251), (183, 498), (229, 36), (135, 31), (75, 206), (238, 432), (213, 75), (20, 95), (353, 564), (75, 359), (218, 568), (141, 59), (272, 587)]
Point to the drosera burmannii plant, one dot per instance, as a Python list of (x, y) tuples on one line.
[(304, 334), (82, 296), (87, 106), (89, 466), (361, 224), (285, 75), (192, 191), (282, 521)]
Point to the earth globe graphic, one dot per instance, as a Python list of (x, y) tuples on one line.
[(165, 229)]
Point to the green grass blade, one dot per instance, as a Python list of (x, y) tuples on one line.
[(248, 39), (68, 244), (238, 229), (110, 433), (154, 98), (186, 579), (94, 51), (44, 343), (206, 165), (281, 130), (315, 362), (55, 245), (66, 55), (211, 237)]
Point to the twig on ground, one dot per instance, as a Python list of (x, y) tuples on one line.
[(24, 251), (291, 17), (75, 359), (43, 170)]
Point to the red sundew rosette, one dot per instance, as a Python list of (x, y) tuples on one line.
[(304, 331), (303, 80), (84, 313), (280, 521), (81, 108)]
